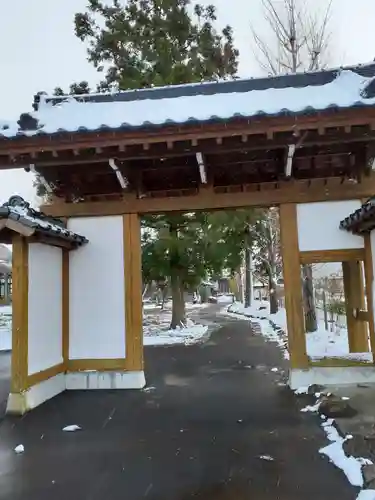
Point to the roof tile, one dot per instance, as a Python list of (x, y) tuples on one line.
[(284, 95)]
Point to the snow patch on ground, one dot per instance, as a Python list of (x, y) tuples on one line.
[(72, 428), (366, 495), (156, 323), (191, 334), (157, 332), (351, 466), (319, 345), (225, 299)]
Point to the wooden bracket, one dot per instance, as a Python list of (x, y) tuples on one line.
[(122, 180), (202, 168)]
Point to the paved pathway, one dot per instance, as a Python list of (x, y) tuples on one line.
[(198, 433)]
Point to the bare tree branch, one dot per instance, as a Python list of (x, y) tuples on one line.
[(297, 37)]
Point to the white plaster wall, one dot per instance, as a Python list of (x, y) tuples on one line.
[(372, 241), (96, 290), (45, 307), (318, 226)]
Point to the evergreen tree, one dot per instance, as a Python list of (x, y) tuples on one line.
[(75, 89), (146, 43), (188, 248), (155, 42)]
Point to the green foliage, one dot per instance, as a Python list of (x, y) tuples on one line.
[(41, 191), (75, 88), (336, 307), (146, 43), (155, 42), (196, 245)]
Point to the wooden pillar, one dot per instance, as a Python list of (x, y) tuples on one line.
[(369, 278), (355, 300), (133, 292), (293, 286), (19, 372)]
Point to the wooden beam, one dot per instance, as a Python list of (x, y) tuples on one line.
[(37, 378), (321, 256), (19, 228), (51, 241), (187, 132), (355, 299), (369, 283), (260, 195), (20, 304), (133, 293), (293, 286), (338, 362), (230, 144), (76, 365)]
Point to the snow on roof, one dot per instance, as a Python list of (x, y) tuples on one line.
[(17, 209), (210, 102)]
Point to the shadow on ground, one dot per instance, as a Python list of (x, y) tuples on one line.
[(213, 424)]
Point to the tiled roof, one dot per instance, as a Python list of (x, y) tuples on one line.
[(362, 220), (19, 211), (198, 103)]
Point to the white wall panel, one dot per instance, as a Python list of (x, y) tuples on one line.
[(45, 307), (318, 226), (96, 290)]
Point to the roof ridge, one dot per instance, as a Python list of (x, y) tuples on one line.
[(331, 69)]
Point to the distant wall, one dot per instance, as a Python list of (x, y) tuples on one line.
[(44, 307), (97, 290), (318, 226)]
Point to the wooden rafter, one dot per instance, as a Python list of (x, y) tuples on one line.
[(269, 126), (289, 160), (273, 193)]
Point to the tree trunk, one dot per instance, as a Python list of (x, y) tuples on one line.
[(274, 306), (247, 277), (239, 285), (164, 293), (311, 324), (178, 302)]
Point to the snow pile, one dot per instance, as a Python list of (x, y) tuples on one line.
[(225, 299), (191, 334), (5, 328), (156, 328), (320, 344), (72, 428), (323, 343), (351, 466), (366, 495)]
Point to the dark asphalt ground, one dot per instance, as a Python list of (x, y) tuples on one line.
[(198, 432)]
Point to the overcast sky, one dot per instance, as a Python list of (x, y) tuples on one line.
[(38, 51)]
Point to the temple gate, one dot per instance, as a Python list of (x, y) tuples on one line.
[(302, 142)]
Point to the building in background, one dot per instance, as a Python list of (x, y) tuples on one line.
[(5, 274)]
